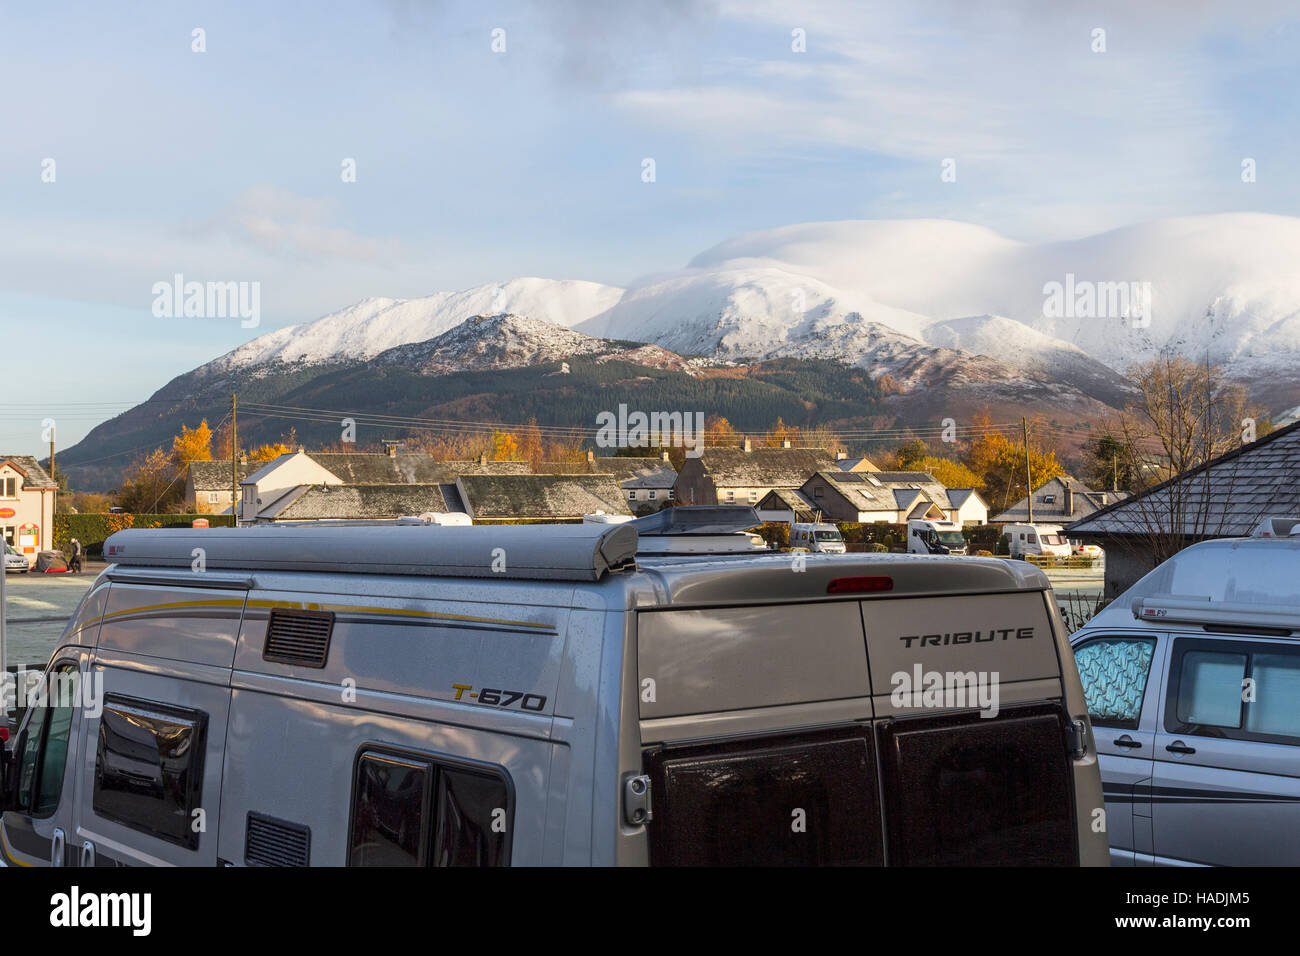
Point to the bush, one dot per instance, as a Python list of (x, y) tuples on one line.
[(877, 546), (93, 529), (983, 554)]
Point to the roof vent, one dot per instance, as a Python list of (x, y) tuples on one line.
[(298, 637), (272, 842), (1277, 528)]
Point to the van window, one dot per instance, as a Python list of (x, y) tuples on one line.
[(1234, 689), (414, 811), (45, 754), (737, 803), (1210, 690), (149, 768), (1114, 672)]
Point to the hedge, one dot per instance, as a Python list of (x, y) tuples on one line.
[(93, 529)]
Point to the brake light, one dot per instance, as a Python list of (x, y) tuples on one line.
[(877, 582), (4, 734)]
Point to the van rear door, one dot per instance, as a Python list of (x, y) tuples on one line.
[(774, 730)]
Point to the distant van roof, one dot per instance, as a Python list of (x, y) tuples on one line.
[(559, 552)]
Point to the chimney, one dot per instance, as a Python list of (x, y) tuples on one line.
[(482, 459), (841, 454), (301, 449), (746, 446), (785, 443), (392, 451), (1069, 500), (243, 459), (663, 456), (591, 458)]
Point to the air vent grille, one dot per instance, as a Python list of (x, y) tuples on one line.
[(298, 637), (272, 842)]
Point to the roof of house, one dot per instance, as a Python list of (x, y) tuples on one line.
[(764, 467), (384, 469), (886, 490), (315, 502), (959, 496), (795, 500), (1085, 502), (1225, 497), (541, 496), (34, 476), (638, 472), (856, 464), (214, 475)]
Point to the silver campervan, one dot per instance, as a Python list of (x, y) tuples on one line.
[(1193, 682), (409, 694)]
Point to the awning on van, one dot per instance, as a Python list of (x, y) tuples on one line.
[(557, 552)]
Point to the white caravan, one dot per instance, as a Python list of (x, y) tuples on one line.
[(1040, 539)]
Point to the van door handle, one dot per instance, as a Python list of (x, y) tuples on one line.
[(57, 844), (87, 855), (1126, 741), (1178, 747)]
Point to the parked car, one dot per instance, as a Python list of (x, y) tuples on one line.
[(14, 560), (927, 536), (816, 538), (1081, 550), (1193, 684)]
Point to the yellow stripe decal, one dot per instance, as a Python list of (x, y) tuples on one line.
[(9, 852), (345, 608)]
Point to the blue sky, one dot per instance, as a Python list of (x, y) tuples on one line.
[(476, 166)]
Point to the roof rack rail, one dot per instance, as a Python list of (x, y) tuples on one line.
[(557, 552)]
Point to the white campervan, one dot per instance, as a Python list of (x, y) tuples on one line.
[(1193, 682), (927, 536), (406, 694), (1037, 539), (818, 538)]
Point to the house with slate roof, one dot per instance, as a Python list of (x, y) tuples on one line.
[(499, 498), (26, 505), (1059, 501), (1226, 497), (207, 486), (268, 492), (743, 475), (889, 496)]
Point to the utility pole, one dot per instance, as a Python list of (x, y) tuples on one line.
[(1114, 471), (49, 532), (1029, 481), (234, 460)]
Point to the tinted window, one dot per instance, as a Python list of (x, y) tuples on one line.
[(390, 812), (1114, 673), (45, 752), (471, 820), (54, 757), (411, 811), (1242, 690), (971, 791), (149, 768), (796, 800)]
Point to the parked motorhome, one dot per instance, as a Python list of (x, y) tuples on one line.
[(1193, 681), (1046, 540), (409, 694), (926, 536), (818, 538)]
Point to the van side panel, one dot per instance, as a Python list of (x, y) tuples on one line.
[(199, 625)]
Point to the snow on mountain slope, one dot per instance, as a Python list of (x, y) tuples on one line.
[(866, 291), (372, 326)]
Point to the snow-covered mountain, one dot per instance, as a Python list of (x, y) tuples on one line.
[(488, 342), (881, 293)]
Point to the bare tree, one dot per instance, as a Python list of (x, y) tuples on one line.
[(1173, 440)]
